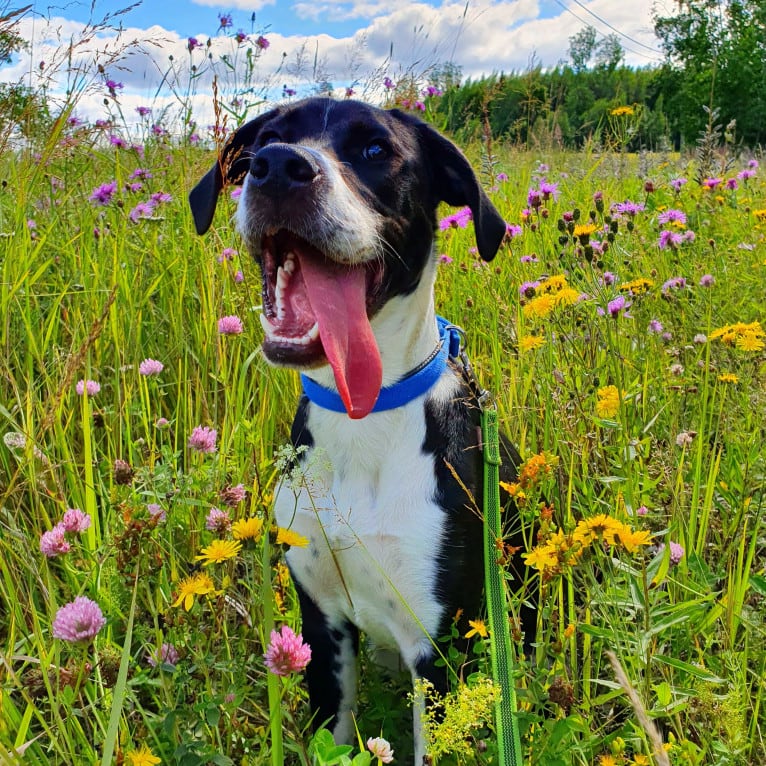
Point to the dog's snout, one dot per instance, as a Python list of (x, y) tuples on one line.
[(278, 169)]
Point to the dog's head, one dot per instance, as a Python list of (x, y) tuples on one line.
[(338, 207)]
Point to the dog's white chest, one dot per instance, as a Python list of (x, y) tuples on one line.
[(366, 504)]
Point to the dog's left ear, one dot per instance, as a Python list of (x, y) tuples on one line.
[(231, 165), (455, 183)]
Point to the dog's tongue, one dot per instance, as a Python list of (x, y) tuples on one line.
[(338, 298)]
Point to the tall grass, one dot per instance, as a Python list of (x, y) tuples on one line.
[(88, 293)]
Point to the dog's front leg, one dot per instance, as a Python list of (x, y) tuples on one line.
[(332, 672)]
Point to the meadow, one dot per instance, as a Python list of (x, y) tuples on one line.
[(141, 576)]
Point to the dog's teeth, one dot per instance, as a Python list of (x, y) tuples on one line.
[(283, 276), (313, 333), (267, 326), (289, 265)]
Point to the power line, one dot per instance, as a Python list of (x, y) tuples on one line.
[(614, 29)]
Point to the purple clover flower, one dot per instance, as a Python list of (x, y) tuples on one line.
[(676, 552), (218, 521), (91, 387), (166, 654), (230, 325), (150, 367), (53, 543), (75, 520), (79, 621), (203, 439), (286, 653)]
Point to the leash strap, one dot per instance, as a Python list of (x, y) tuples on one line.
[(501, 651)]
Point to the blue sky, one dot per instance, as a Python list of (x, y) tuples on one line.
[(354, 41)]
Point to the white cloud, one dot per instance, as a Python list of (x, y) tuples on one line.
[(487, 37)]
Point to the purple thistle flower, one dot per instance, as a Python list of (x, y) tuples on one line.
[(732, 184), (534, 198), (143, 111), (156, 511), (218, 521), (166, 654), (117, 141), (286, 652), (78, 621), (262, 42), (75, 520), (616, 306), (134, 187), (674, 283), (150, 367), (444, 258), (141, 173), (707, 280), (672, 216), (227, 254), (513, 230), (388, 83), (501, 177), (91, 387), (202, 439), (689, 236), (230, 325), (457, 220), (753, 164), (628, 208), (102, 195), (159, 197), (711, 183), (224, 20), (193, 43), (531, 258), (240, 37), (608, 278), (655, 326), (141, 210), (53, 542), (745, 175), (549, 190), (239, 277), (527, 289), (677, 183), (669, 238)]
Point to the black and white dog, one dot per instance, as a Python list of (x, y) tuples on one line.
[(338, 207)]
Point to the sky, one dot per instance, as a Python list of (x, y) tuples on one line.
[(352, 42)]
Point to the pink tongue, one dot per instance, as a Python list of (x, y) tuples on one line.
[(338, 298)]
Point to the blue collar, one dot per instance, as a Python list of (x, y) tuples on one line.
[(411, 386)]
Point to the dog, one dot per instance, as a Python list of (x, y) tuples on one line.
[(338, 208)]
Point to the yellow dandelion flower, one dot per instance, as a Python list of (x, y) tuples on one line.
[(750, 342), (552, 284), (530, 342), (630, 539), (478, 628), (566, 297), (288, 537), (608, 402), (539, 307), (584, 230), (607, 760), (142, 757), (247, 529), (219, 551), (623, 111), (728, 377), (197, 585), (640, 760)]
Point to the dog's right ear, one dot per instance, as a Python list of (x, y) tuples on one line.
[(231, 166)]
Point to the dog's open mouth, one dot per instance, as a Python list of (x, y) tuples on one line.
[(315, 308)]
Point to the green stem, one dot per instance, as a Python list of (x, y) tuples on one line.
[(273, 682)]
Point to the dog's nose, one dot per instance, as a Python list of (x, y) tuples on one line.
[(278, 169)]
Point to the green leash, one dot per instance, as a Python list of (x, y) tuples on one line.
[(501, 651)]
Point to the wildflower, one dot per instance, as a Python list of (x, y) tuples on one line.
[(233, 494), (711, 183), (444, 258), (193, 43), (549, 190), (79, 620), (501, 177), (159, 197), (202, 439), (542, 558), (247, 529), (141, 210), (745, 337), (75, 520), (732, 184), (676, 552), (631, 539), (293, 539), (230, 325), (534, 198), (728, 377), (196, 585), (224, 20), (700, 338), (381, 749), (102, 195), (674, 283), (642, 510), (53, 542), (91, 387), (536, 468), (143, 111), (607, 760), (219, 551), (478, 628), (166, 654), (388, 83), (745, 175), (530, 342), (239, 277), (156, 512), (240, 37), (669, 238), (617, 305), (458, 220), (150, 367), (608, 402), (655, 326), (584, 230), (122, 472), (162, 423), (218, 521), (672, 216), (636, 286), (685, 438), (142, 757), (262, 43), (286, 652), (513, 230), (628, 208), (707, 280), (623, 111), (227, 254), (569, 631)]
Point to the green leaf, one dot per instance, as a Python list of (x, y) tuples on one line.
[(692, 670)]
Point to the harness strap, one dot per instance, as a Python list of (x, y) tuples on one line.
[(412, 385)]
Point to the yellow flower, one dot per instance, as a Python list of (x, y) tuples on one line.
[(536, 468), (283, 575), (760, 214), (607, 760), (247, 529), (569, 631), (640, 760), (566, 297), (636, 286), (478, 628), (608, 403), (745, 337), (552, 284), (750, 342), (142, 757), (630, 539), (584, 230), (197, 585), (728, 377), (288, 537), (539, 307), (601, 525), (623, 111), (541, 558), (529, 342), (219, 551)]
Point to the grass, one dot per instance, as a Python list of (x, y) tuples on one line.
[(675, 448)]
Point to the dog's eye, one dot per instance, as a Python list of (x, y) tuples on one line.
[(270, 138), (376, 150)]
